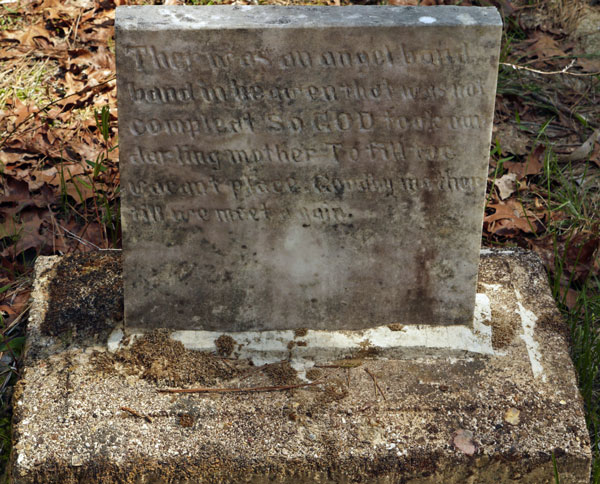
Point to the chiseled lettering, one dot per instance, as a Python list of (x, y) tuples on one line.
[(241, 214), (346, 58), (434, 57)]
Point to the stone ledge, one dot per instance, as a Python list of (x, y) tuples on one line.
[(452, 417)]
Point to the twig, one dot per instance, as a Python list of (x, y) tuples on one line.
[(74, 31), (565, 70), (56, 231), (85, 242), (237, 390), (349, 364), (378, 388), (136, 414)]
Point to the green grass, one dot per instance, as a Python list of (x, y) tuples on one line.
[(568, 191)]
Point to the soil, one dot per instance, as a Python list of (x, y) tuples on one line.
[(300, 332), (314, 374), (282, 374), (336, 389), (225, 345), (158, 358), (503, 330), (186, 420)]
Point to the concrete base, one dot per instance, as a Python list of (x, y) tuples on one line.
[(396, 404)]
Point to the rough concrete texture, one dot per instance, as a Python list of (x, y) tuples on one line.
[(459, 417), (285, 167)]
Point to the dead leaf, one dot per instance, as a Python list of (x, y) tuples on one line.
[(507, 185), (81, 189), (569, 297), (545, 46), (510, 217), (14, 190), (583, 151), (25, 230), (595, 154), (532, 166), (463, 441), (15, 306), (580, 255), (589, 64), (29, 37)]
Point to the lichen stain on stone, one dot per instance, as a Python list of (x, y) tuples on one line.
[(85, 297)]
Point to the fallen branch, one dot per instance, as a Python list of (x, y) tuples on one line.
[(136, 414), (237, 390), (565, 70)]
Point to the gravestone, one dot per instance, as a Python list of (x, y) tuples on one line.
[(289, 167)]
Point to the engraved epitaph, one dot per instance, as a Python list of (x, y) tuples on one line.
[(287, 167)]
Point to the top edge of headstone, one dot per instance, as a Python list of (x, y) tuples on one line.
[(218, 17)]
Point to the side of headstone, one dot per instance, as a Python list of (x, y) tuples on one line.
[(288, 167)]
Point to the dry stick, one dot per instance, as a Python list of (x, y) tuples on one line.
[(237, 390), (86, 242), (565, 70), (136, 414), (376, 384), (353, 364)]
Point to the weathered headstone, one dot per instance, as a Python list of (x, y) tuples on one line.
[(287, 167)]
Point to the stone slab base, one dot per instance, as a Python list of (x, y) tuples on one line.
[(491, 406)]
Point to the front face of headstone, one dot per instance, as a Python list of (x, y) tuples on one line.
[(303, 167)]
